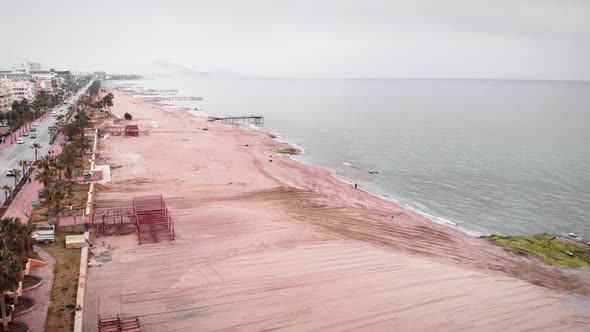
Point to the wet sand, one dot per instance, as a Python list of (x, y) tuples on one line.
[(281, 245)]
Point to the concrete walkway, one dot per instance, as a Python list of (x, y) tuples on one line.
[(36, 318), (21, 207)]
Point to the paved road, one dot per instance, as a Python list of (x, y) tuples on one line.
[(10, 156)]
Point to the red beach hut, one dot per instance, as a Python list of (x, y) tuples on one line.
[(131, 130)]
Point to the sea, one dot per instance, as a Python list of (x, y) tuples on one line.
[(484, 156)]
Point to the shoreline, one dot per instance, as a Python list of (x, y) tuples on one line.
[(322, 181), (277, 138), (440, 220), (252, 251)]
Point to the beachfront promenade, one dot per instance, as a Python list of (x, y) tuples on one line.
[(278, 245)]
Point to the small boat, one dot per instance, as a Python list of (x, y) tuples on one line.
[(573, 235)]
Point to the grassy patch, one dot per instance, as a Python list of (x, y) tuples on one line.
[(65, 285), (548, 248), (78, 199), (287, 150)]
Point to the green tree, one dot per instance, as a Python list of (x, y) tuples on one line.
[(67, 158), (15, 237), (59, 168), (81, 144), (10, 268), (36, 146), (45, 177), (23, 164), (108, 101), (7, 190), (45, 162), (56, 197), (17, 175)]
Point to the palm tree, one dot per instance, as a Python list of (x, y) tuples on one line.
[(45, 162), (36, 146), (10, 268), (46, 176), (16, 237), (24, 164), (109, 100), (59, 167), (67, 158), (82, 145), (7, 190), (17, 174), (57, 196)]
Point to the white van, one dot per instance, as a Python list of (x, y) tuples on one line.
[(44, 233)]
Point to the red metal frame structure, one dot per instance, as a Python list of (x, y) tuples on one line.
[(153, 219), (131, 130), (116, 130), (119, 324), (117, 221)]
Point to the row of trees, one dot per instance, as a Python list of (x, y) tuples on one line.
[(105, 102), (54, 171), (16, 244), (94, 88)]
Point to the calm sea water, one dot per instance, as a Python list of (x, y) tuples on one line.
[(504, 157)]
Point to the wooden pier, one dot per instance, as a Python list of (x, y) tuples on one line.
[(161, 90), (163, 98), (255, 119)]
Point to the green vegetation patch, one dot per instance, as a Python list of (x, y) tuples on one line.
[(60, 313), (293, 151), (548, 248)]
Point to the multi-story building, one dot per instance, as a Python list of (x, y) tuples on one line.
[(5, 98), (42, 74), (45, 84), (21, 89), (10, 75), (26, 67)]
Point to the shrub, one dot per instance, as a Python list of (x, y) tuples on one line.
[(289, 150), (128, 116)]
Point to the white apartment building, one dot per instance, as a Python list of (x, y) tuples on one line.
[(5, 98), (20, 89), (26, 67), (43, 84)]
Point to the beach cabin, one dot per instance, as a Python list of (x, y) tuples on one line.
[(131, 130)]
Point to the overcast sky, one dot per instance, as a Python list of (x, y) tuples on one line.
[(517, 39)]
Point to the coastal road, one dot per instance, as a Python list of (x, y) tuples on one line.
[(10, 156)]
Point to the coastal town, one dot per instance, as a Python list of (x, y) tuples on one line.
[(294, 165), (123, 215)]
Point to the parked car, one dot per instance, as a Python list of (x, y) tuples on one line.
[(25, 134), (36, 124), (33, 129), (10, 172), (33, 135), (20, 141), (44, 233)]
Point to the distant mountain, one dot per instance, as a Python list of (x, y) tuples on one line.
[(164, 68)]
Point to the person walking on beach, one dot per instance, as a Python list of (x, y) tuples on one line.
[(355, 186)]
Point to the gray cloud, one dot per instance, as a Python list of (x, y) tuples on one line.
[(322, 38)]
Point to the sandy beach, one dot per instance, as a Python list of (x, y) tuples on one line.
[(264, 242)]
